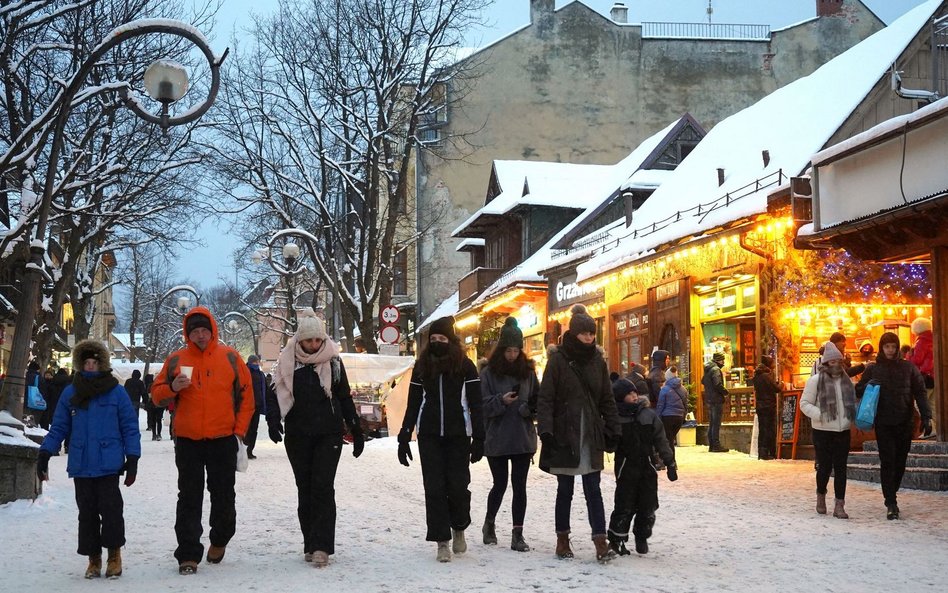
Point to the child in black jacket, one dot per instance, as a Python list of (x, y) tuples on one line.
[(636, 478)]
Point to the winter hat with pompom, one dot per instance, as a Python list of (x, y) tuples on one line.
[(581, 321), (309, 326), (510, 335), (921, 325)]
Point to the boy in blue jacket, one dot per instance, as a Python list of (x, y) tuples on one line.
[(96, 415)]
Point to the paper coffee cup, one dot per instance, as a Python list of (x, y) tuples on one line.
[(186, 371)]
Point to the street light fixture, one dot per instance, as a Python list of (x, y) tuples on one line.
[(290, 266), (166, 80), (183, 304), (231, 317)]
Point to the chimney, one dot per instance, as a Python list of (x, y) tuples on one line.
[(828, 7), (766, 155), (619, 13), (720, 177), (540, 9)]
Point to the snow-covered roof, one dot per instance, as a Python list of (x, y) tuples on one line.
[(469, 242), (449, 306), (792, 123), (646, 179), (125, 339)]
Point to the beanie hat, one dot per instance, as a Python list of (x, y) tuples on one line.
[(196, 320), (253, 359), (444, 326), (581, 321), (308, 326), (510, 335), (622, 388), (659, 357), (718, 357), (921, 325), (831, 352)]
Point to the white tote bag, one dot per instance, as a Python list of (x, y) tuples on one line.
[(242, 461)]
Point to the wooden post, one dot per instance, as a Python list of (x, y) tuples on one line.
[(939, 281)]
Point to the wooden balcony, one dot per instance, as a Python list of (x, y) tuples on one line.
[(475, 282)]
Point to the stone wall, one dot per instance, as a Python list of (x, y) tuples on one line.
[(18, 473)]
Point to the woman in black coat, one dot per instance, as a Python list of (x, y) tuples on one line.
[(444, 408), (577, 422), (900, 382)]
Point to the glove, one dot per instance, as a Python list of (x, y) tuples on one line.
[(672, 472), (130, 469), (477, 450), (548, 440), (927, 427), (612, 443), (358, 442), (404, 449), (276, 430), (42, 465)]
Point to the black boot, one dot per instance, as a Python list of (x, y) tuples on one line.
[(517, 542), (490, 536), (619, 547), (641, 545)]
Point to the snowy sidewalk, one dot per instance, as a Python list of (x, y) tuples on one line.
[(730, 523)]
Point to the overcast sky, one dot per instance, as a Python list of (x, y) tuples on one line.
[(505, 16)]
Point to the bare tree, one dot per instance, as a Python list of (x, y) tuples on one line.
[(320, 117)]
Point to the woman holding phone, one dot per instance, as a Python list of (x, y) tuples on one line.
[(509, 387)]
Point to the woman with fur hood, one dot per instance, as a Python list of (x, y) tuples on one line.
[(311, 395), (900, 382), (97, 417), (577, 422), (509, 387)]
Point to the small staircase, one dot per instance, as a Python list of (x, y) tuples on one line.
[(925, 469)]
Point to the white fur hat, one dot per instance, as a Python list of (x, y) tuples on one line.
[(921, 324), (309, 326)]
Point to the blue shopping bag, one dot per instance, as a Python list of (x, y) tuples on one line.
[(866, 415), (34, 399)]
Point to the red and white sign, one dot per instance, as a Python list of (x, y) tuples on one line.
[(390, 334), (389, 314)]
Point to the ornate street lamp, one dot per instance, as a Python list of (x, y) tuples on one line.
[(166, 83), (183, 304), (231, 317)]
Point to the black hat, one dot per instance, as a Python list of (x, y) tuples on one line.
[(581, 321), (622, 388), (718, 357), (196, 320), (510, 335), (443, 326)]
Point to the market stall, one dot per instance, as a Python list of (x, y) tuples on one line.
[(379, 388)]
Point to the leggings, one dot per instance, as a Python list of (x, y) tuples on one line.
[(519, 466)]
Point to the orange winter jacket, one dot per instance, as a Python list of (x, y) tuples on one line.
[(219, 402)]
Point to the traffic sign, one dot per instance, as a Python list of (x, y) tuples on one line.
[(389, 314), (390, 334)]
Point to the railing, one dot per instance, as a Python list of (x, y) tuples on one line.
[(475, 282), (652, 30)]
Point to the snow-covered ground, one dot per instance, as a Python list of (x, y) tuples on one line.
[(730, 523)]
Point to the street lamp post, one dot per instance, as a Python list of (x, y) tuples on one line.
[(231, 317), (166, 82), (290, 266), (183, 304)]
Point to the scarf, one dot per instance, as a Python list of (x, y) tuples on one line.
[(293, 354), (578, 351), (89, 385), (826, 396)]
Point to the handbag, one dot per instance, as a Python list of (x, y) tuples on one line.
[(866, 415), (34, 399), (243, 462)]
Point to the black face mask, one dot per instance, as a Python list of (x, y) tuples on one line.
[(438, 348)]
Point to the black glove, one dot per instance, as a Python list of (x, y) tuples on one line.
[(130, 469), (477, 450), (672, 472), (42, 465), (276, 430), (358, 442), (548, 440), (927, 427), (612, 443), (404, 448)]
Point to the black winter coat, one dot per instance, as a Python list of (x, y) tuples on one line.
[(314, 411), (563, 396), (713, 383), (642, 432), (446, 404), (766, 388), (136, 391), (899, 382)]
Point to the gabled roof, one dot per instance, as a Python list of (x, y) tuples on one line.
[(792, 123), (125, 339)]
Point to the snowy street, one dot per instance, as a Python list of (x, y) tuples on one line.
[(729, 523)]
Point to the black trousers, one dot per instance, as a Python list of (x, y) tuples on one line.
[(672, 426), (519, 467), (832, 455), (894, 444), (314, 459), (101, 523), (446, 470), (218, 457), (155, 416), (636, 496), (766, 433), (251, 437)]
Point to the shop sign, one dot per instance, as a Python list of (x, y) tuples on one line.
[(667, 291), (566, 291), (621, 325), (809, 344)]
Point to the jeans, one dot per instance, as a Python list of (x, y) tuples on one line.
[(219, 458), (519, 466), (594, 507), (714, 424), (101, 523), (832, 454), (314, 459), (894, 444)]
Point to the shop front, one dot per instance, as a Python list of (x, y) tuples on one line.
[(653, 317), (564, 292)]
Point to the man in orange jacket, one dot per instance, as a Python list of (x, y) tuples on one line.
[(210, 387)]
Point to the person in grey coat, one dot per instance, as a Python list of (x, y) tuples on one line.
[(509, 388)]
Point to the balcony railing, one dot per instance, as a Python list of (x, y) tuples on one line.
[(655, 30), (475, 282)]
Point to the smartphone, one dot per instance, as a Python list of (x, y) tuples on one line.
[(516, 388)]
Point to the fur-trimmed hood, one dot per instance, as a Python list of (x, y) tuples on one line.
[(91, 349)]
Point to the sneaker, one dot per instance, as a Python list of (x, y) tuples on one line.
[(187, 567)]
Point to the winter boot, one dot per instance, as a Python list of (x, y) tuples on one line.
[(307, 556), (821, 503), (215, 554), (603, 552), (490, 536), (516, 540), (458, 545), (641, 545), (113, 567), (619, 548), (444, 552), (562, 545), (838, 511), (188, 567), (320, 559), (892, 512), (94, 570)]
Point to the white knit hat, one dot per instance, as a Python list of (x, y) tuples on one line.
[(309, 326), (831, 352)]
